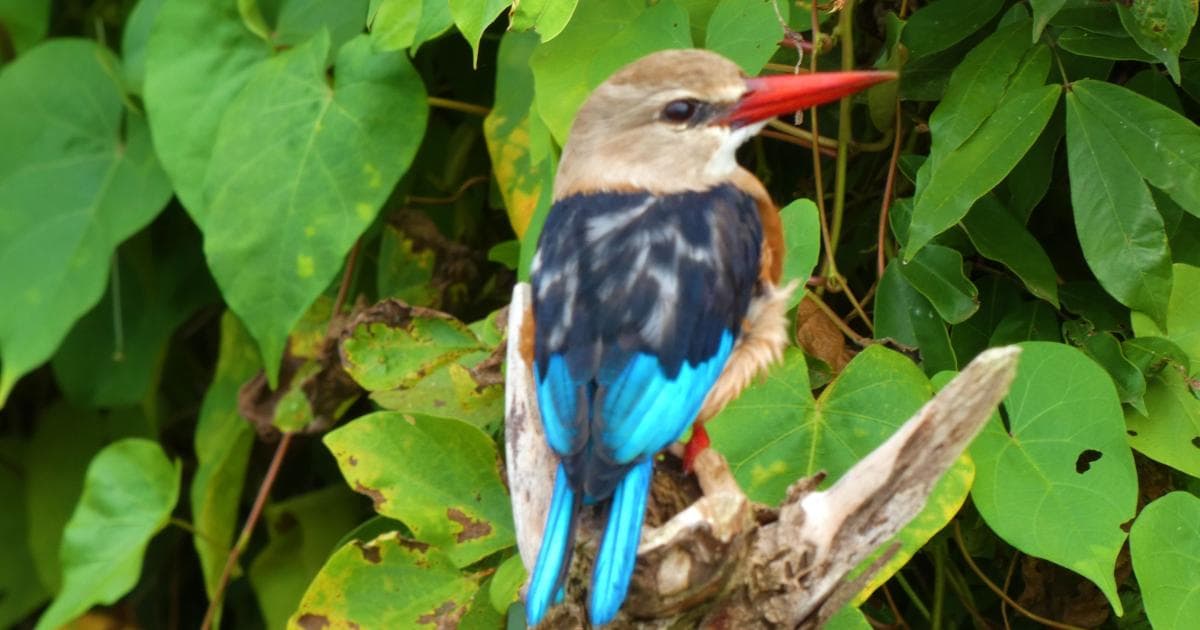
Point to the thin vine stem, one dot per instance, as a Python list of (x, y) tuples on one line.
[(264, 490), (845, 28), (962, 547), (458, 106)]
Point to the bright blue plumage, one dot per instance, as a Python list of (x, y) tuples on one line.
[(634, 324)]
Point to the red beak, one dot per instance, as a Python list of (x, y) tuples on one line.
[(780, 94)]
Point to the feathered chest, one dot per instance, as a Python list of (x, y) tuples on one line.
[(621, 273)]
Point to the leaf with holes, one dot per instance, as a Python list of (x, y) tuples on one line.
[(1168, 430), (1059, 482), (389, 582), (796, 435), (436, 475), (1160, 27)]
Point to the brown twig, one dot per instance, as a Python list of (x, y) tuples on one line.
[(458, 106), (343, 289), (838, 321), (1007, 580), (264, 489), (441, 201), (962, 547), (888, 188)]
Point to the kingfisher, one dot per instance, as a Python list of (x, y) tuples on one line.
[(656, 290)]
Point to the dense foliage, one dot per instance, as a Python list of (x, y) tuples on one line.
[(253, 252)]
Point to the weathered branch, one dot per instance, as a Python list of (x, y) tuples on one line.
[(711, 558)]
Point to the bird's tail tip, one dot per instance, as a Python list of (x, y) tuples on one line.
[(618, 550), (554, 557)]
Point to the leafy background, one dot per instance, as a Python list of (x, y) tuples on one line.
[(253, 252)]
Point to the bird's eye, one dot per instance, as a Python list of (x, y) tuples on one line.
[(680, 111)]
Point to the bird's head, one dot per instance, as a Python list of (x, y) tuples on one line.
[(673, 120)]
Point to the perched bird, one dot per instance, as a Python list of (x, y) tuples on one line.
[(656, 291)]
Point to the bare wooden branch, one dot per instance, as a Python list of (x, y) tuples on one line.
[(717, 560)]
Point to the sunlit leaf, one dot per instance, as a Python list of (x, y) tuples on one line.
[(746, 31), (398, 24), (1182, 325), (802, 242), (1164, 545), (128, 495), (473, 16), (1058, 482), (547, 17), (1168, 430)]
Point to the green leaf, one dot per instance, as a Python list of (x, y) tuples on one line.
[(937, 272), (473, 17), (382, 355), (1096, 16), (906, 316), (1168, 430), (399, 24), (547, 17), (1101, 45), (848, 618), (997, 296), (304, 533), (55, 469), (1119, 228), (1030, 179), (1157, 87), (1162, 145), (336, 153), (512, 129), (1160, 27), (106, 362), (998, 235), (982, 161), (404, 273), (199, 56), (1182, 325), (1164, 545), (1031, 321), (22, 591), (222, 443), (1043, 12), (977, 87), (390, 582), (602, 37), (69, 193), (937, 26), (506, 583), (451, 390), (128, 495), (802, 243), (794, 435), (1060, 481), (436, 475), (134, 38), (1152, 354), (1103, 348), (1088, 299), (298, 20), (26, 21), (745, 31)]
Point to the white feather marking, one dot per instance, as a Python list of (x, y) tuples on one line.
[(724, 159), (601, 225)]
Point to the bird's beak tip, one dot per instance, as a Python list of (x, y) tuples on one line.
[(771, 96)]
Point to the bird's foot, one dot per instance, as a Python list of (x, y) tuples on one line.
[(694, 446)]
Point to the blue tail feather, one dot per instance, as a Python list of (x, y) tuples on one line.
[(618, 549), (545, 588)]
